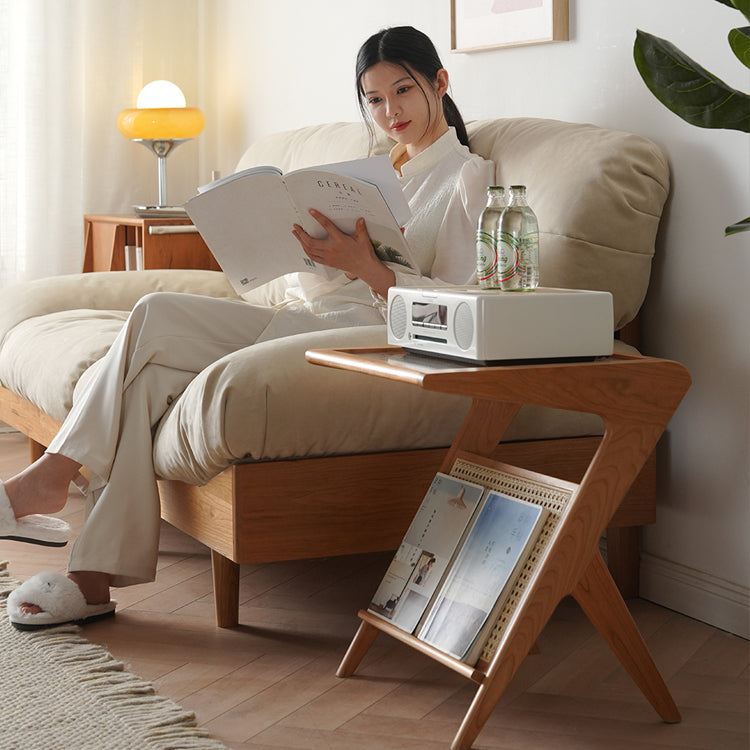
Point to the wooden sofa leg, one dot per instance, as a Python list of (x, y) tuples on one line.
[(226, 590), (623, 559)]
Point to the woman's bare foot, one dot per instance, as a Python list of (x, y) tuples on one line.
[(43, 486), (94, 587)]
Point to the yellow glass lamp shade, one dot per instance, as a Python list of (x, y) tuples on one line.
[(161, 122)]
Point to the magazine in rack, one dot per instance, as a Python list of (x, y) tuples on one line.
[(457, 564), (246, 218), (480, 578), (427, 547)]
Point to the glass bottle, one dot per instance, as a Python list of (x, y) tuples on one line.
[(518, 244), (487, 236)]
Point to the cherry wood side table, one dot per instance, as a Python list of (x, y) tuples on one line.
[(159, 243), (635, 397)]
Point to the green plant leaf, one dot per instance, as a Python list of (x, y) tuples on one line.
[(743, 6), (688, 89), (739, 41), (740, 226)]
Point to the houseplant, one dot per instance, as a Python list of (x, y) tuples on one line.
[(690, 91)]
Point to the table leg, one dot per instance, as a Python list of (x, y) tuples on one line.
[(600, 600), (357, 649), (482, 429)]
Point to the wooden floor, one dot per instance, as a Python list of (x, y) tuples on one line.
[(271, 683)]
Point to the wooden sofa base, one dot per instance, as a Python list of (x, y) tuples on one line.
[(342, 505), (321, 507)]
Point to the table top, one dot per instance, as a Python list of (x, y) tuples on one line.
[(135, 220), (618, 382)]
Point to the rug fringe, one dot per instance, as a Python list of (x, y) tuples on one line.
[(163, 723), (7, 582)]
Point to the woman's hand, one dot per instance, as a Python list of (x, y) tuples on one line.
[(352, 254)]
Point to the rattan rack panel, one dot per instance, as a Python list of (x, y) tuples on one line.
[(549, 496)]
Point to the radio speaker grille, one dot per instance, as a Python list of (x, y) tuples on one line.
[(464, 326), (397, 317)]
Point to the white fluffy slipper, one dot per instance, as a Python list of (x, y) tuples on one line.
[(35, 529), (60, 599)]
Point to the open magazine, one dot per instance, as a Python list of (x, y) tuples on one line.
[(457, 564), (246, 218)]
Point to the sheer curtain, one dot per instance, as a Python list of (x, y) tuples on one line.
[(67, 68)]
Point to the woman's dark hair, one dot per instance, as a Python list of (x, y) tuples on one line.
[(415, 53)]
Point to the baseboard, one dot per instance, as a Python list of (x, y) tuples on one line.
[(705, 597)]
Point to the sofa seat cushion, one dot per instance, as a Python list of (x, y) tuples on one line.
[(260, 403), (251, 405), (43, 358), (52, 330), (103, 290)]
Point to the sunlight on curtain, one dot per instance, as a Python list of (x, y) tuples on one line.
[(67, 68)]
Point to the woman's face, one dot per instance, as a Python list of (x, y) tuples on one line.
[(407, 113)]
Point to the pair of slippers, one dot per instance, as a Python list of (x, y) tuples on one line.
[(59, 598)]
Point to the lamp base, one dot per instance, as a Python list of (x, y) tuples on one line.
[(165, 212)]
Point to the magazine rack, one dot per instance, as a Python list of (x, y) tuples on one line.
[(635, 397)]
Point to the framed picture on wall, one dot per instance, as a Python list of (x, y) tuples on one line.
[(488, 24)]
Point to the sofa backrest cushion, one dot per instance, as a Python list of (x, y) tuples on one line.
[(311, 146), (598, 193)]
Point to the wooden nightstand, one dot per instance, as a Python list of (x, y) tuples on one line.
[(160, 243)]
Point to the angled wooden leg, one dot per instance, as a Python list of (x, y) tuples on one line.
[(226, 590), (482, 429), (491, 690), (357, 649), (599, 598)]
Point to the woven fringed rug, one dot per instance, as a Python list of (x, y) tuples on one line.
[(59, 692)]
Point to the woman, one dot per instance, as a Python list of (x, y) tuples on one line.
[(169, 338)]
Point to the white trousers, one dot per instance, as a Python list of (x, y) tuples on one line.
[(167, 340)]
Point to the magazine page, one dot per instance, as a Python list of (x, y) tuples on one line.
[(247, 224), (483, 573), (246, 218), (344, 200), (423, 556), (377, 170)]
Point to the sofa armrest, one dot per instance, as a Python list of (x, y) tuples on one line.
[(105, 290)]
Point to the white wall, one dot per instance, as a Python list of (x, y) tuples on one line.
[(289, 63)]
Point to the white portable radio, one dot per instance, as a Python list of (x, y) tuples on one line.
[(487, 326)]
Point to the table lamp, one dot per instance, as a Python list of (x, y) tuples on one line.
[(161, 122)]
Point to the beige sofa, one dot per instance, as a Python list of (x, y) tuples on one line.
[(298, 461)]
